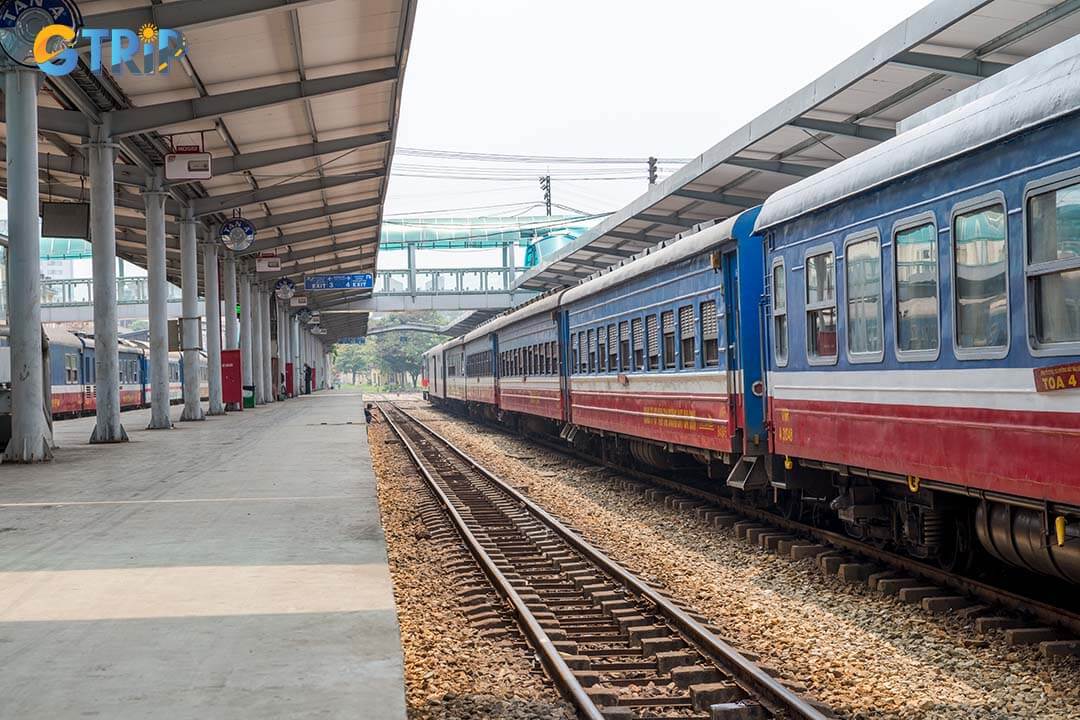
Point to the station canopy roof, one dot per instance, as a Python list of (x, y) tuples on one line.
[(941, 50), (297, 100)]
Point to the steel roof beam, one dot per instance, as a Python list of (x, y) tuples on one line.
[(776, 166), (640, 237), (847, 129), (322, 211), (251, 161), (346, 246), (673, 220), (331, 269), (230, 201), (67, 122), (187, 14), (616, 252), (717, 197), (151, 117), (308, 236), (123, 199), (962, 67)]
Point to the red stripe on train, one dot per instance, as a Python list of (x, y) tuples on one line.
[(693, 422), (1031, 454)]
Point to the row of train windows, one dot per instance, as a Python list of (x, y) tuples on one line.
[(129, 370), (649, 343), (478, 364), (538, 359), (980, 288)]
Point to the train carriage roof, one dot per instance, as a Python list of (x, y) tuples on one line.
[(1045, 94), (62, 336), (663, 255)]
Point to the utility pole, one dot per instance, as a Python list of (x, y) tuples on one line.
[(652, 171), (545, 185)]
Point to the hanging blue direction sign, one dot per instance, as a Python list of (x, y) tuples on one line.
[(284, 288), (357, 281), (237, 233)]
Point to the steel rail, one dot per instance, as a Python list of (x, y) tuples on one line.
[(765, 688), (557, 668), (1036, 609)]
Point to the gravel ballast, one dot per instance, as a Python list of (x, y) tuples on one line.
[(451, 671), (864, 654)]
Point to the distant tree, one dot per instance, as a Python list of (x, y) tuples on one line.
[(351, 358)]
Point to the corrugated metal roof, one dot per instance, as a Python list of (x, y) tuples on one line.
[(941, 50), (306, 157)]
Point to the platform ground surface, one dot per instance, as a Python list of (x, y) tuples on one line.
[(232, 568)]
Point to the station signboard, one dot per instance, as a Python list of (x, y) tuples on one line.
[(354, 281)]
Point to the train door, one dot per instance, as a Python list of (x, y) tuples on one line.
[(730, 291)]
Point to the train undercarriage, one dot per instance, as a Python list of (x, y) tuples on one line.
[(960, 529)]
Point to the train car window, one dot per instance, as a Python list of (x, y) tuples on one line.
[(980, 257), (1053, 266), (710, 334), (624, 346), (573, 354), (638, 333), (917, 311), (821, 307), (652, 335), (779, 313), (601, 349), (687, 333), (71, 369), (667, 322), (592, 351), (583, 352), (862, 273), (549, 361), (612, 348)]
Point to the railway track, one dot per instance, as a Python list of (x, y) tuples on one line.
[(615, 647), (931, 585)]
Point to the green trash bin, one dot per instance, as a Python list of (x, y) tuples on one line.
[(249, 396)]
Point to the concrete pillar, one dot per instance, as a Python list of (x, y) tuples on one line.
[(283, 333), (189, 281), (232, 329), (31, 437), (267, 355), (294, 345), (256, 345), (213, 325), (247, 366), (158, 285), (107, 427)]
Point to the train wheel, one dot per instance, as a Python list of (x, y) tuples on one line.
[(790, 505), (955, 554)]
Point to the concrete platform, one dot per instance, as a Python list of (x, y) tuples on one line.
[(232, 568)]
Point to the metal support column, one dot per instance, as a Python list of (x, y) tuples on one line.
[(247, 375), (411, 249), (158, 284), (256, 344), (294, 345), (232, 330), (107, 427), (189, 281), (213, 325), (508, 265), (283, 333), (267, 355), (31, 437)]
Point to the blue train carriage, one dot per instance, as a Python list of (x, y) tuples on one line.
[(925, 332), (530, 366), (435, 369), (67, 369), (481, 348), (454, 370), (665, 353)]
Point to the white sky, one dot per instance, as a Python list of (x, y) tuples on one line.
[(626, 78)]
